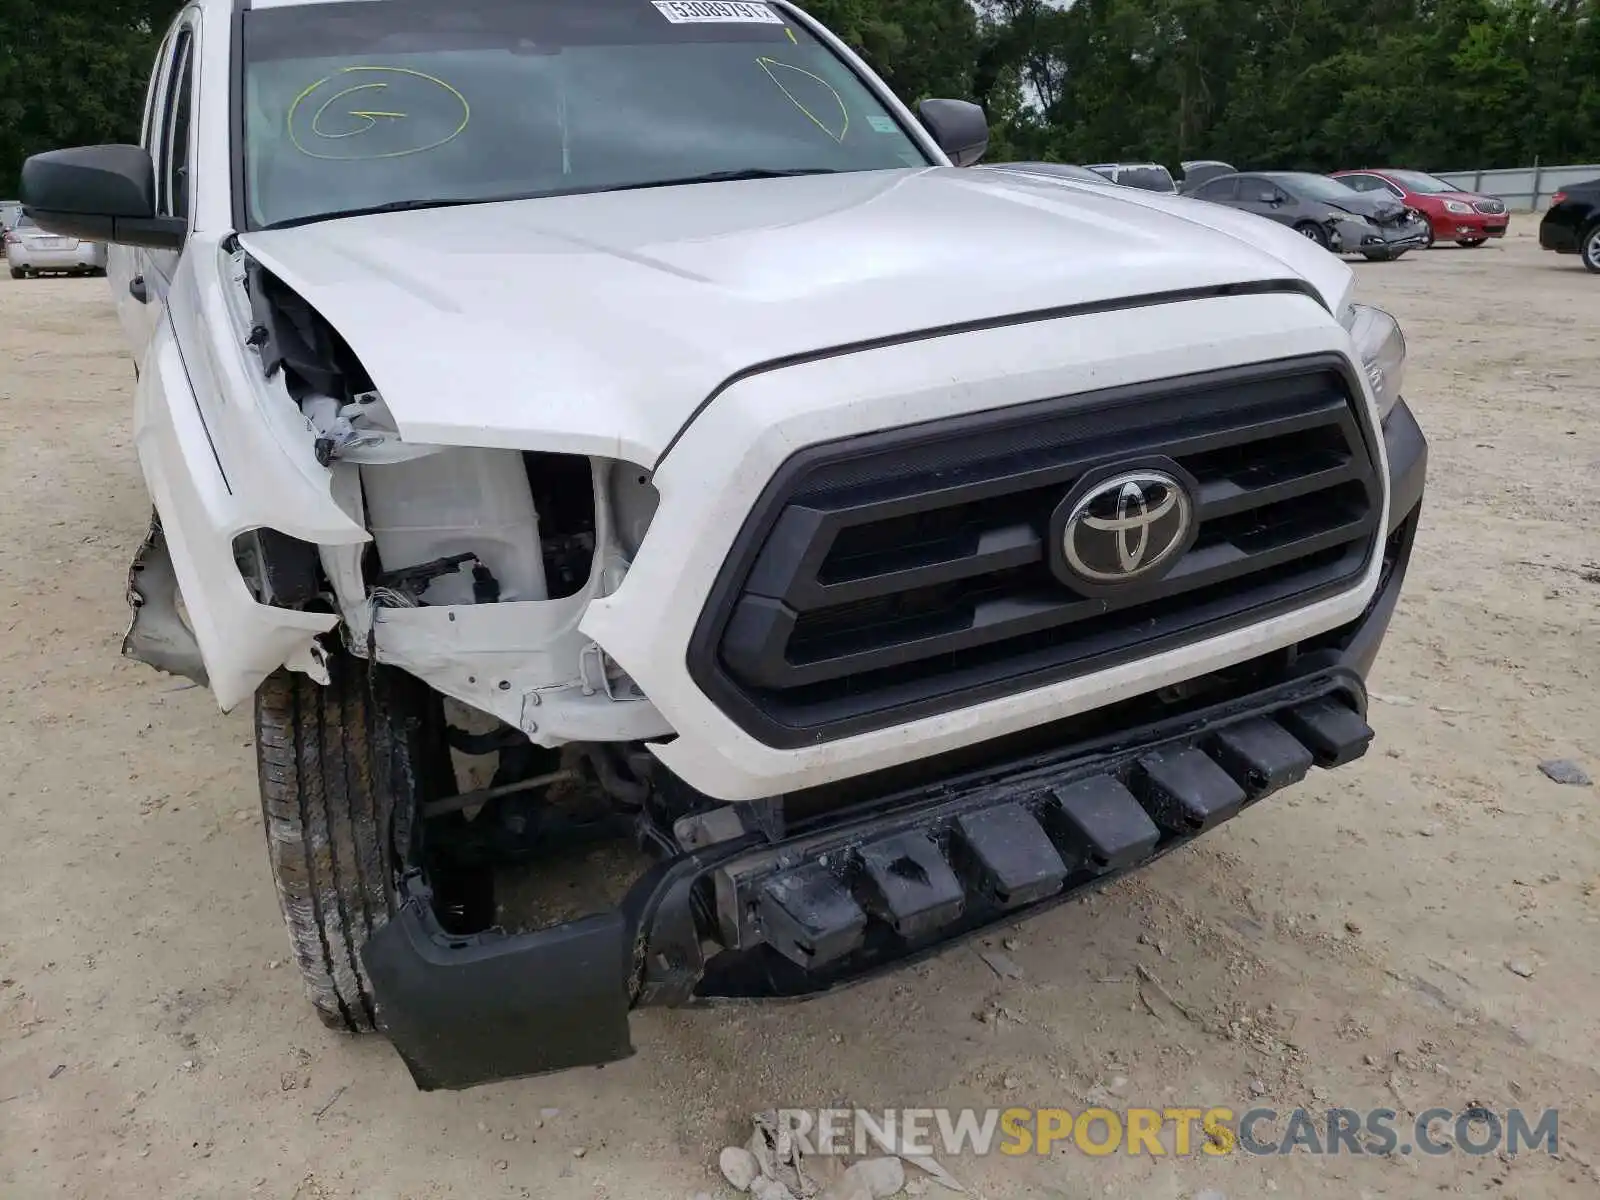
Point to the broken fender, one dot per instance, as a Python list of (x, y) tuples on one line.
[(201, 510)]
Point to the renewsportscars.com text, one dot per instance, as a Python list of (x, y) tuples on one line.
[(1172, 1131)]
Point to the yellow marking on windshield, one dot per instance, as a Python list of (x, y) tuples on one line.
[(766, 64), (792, 37), (372, 117), (367, 114)]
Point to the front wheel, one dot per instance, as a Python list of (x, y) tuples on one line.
[(1427, 235), (18, 273), (343, 769), (1311, 231), (1591, 249)]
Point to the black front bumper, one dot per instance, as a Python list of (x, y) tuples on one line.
[(889, 878)]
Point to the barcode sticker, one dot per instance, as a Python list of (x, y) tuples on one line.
[(699, 12)]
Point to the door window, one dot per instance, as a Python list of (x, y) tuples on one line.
[(172, 162), (1258, 191), (152, 95), (1219, 189)]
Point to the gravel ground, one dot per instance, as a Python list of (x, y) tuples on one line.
[(1418, 930)]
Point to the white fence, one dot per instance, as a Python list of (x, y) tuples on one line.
[(1524, 189)]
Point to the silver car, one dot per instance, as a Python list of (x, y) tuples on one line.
[(1149, 177), (1053, 170), (32, 251)]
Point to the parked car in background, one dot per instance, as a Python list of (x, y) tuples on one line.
[(1053, 170), (10, 210), (1571, 224), (1197, 172), (1150, 177), (34, 251), (1466, 218), (1323, 210)]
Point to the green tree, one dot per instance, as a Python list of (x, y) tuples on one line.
[(73, 72)]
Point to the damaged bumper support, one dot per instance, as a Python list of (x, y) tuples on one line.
[(823, 907), (901, 876)]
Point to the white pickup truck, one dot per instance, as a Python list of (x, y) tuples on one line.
[(580, 418)]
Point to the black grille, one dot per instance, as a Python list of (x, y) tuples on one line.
[(891, 576)]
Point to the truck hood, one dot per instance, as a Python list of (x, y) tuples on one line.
[(598, 324)]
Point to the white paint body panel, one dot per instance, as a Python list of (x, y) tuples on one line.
[(599, 324)]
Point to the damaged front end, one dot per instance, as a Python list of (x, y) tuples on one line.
[(472, 569), (781, 904), (789, 897), (289, 505), (481, 561)]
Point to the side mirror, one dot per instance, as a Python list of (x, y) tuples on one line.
[(959, 127), (100, 194)]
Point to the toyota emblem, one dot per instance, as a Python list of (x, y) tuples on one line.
[(1127, 527)]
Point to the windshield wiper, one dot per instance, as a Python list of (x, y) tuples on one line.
[(457, 201), (369, 209), (720, 177)]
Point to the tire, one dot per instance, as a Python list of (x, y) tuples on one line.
[(1428, 245), (1472, 243), (342, 770), (18, 273), (1311, 231), (1590, 249)]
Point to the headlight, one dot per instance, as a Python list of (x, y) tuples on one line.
[(1457, 206), (1382, 349)]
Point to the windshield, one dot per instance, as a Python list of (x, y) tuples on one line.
[(1416, 181), (360, 104), (1151, 179), (1320, 187)]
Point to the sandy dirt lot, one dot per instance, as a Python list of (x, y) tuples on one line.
[(1350, 944)]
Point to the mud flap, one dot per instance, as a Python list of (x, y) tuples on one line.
[(463, 1011)]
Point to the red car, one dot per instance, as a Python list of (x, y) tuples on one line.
[(1466, 218)]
